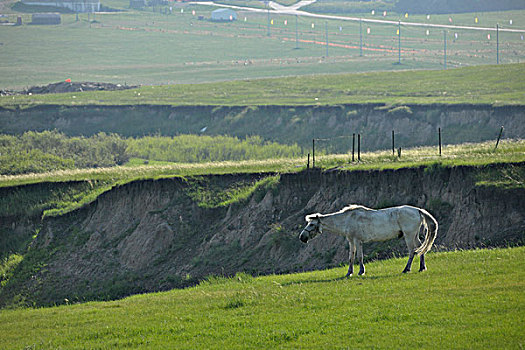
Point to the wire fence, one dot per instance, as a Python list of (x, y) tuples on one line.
[(426, 41), (433, 43), (356, 146), (305, 43), (434, 39)]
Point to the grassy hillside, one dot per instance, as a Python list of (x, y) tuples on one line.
[(70, 194), (498, 85), (467, 299)]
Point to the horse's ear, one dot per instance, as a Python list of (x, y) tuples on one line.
[(311, 217)]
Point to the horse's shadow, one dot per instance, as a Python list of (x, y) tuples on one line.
[(342, 278), (291, 283)]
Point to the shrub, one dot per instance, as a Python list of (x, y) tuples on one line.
[(34, 152)]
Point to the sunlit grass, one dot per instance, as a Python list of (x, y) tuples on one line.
[(156, 171), (451, 155), (495, 85), (463, 154), (466, 299), (158, 49)]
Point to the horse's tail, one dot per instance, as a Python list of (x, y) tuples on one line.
[(430, 234)]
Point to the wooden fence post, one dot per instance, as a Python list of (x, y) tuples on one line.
[(439, 133), (353, 146), (308, 162), (313, 153), (393, 143), (499, 137), (358, 147)]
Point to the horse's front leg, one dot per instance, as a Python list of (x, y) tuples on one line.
[(360, 257), (351, 258)]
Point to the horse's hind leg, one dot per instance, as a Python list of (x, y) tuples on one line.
[(351, 248), (422, 266), (411, 250), (360, 257), (417, 241), (409, 263)]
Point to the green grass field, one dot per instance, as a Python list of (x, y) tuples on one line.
[(466, 299), (495, 85), (144, 47)]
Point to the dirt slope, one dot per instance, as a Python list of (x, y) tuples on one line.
[(152, 235), (415, 125)]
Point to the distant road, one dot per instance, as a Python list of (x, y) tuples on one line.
[(294, 10), (284, 9)]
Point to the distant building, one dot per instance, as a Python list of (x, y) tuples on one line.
[(45, 18), (222, 15), (73, 5), (137, 4)]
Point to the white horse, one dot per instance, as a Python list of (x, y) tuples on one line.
[(360, 225)]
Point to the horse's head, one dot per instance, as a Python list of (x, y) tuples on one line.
[(312, 229)]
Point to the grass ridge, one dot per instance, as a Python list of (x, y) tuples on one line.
[(101, 180), (494, 85)]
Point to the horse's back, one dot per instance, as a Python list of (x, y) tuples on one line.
[(367, 225), (377, 225), (407, 216), (400, 218)]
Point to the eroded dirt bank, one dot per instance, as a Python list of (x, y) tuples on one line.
[(415, 125), (153, 235)]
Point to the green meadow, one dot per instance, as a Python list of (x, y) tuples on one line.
[(155, 48), (492, 84), (466, 299)]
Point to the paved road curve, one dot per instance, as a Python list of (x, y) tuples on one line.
[(294, 10)]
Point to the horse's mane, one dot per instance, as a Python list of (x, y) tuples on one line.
[(353, 207), (313, 216), (344, 210)]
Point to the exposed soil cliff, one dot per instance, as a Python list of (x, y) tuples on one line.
[(153, 235), (415, 125)]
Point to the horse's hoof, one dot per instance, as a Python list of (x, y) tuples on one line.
[(406, 271), (421, 270)]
